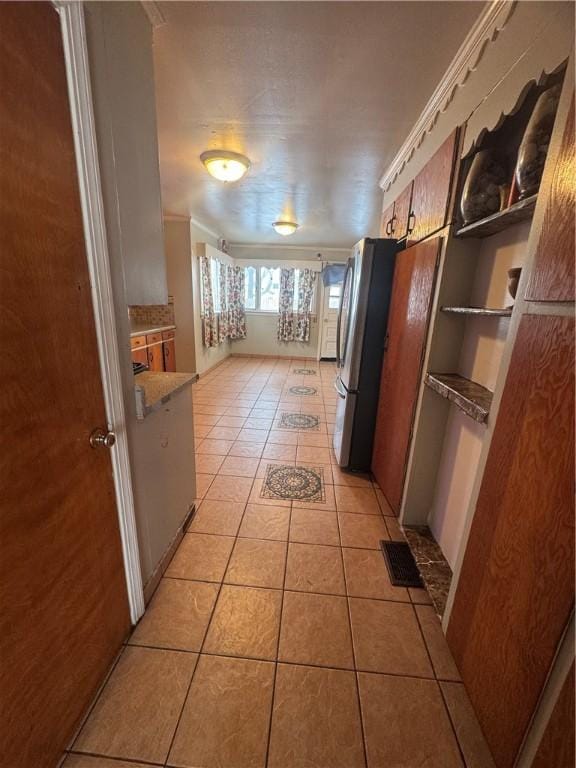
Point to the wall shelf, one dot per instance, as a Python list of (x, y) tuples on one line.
[(523, 210), (478, 311), (472, 398)]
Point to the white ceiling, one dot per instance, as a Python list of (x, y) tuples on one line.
[(319, 95)]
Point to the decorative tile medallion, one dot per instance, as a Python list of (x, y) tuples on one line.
[(302, 390), (297, 483), (299, 421), (305, 371)]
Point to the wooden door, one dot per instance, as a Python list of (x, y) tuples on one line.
[(401, 213), (557, 746), (155, 353), (169, 351), (332, 296), (431, 193), (386, 221), (516, 587), (552, 277), (414, 276), (62, 583)]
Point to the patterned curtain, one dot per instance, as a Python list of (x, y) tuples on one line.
[(235, 303), (286, 316), (209, 318), (306, 281), (224, 321)]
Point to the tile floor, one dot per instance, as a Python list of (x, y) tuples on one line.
[(275, 637)]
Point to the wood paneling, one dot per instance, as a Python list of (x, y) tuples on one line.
[(401, 370), (62, 585), (401, 213), (431, 193), (516, 587), (552, 277), (556, 749), (386, 221)]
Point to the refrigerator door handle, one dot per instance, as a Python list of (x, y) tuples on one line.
[(337, 388), (339, 321)]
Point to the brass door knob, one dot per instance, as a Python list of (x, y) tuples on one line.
[(101, 439)]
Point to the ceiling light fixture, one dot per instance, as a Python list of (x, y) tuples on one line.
[(225, 166), (285, 227)]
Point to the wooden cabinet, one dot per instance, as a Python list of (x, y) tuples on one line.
[(431, 192), (515, 593), (139, 350), (155, 356), (169, 351), (402, 213), (410, 303), (552, 277), (387, 221)]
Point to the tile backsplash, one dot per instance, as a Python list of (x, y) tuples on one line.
[(153, 314)]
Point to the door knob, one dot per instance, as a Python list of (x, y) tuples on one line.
[(99, 438)]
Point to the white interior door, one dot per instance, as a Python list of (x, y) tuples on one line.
[(329, 318)]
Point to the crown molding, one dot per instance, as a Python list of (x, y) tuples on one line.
[(484, 33), (153, 12), (276, 246)]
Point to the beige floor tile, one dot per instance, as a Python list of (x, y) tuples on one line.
[(207, 419), (220, 517), (420, 596), (280, 452), (329, 503), (356, 500), (217, 410), (136, 714), (387, 638), (265, 522), (245, 623), (468, 731), (384, 506), (394, 530), (208, 464), (265, 463), (223, 433), (177, 616), (225, 488), (313, 440), (239, 466), (201, 557), (442, 661), (315, 568), (215, 447), (257, 498), (306, 454), (315, 629), (257, 563), (282, 437), (202, 430), (362, 531), (203, 482), (256, 422), (227, 714), (314, 527), (367, 576), (253, 435), (91, 761), (231, 421), (405, 723), (315, 720), (237, 410), (248, 450), (353, 479)]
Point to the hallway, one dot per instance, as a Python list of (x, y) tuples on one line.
[(275, 637)]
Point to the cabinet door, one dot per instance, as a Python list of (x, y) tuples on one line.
[(140, 355), (402, 213), (386, 221), (401, 371), (169, 351), (552, 277), (155, 356), (515, 593), (431, 193)]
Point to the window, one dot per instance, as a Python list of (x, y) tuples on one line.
[(262, 289), (334, 296)]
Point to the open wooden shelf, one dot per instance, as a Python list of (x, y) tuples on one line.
[(472, 398), (478, 311), (523, 210)]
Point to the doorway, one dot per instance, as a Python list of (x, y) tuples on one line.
[(332, 294)]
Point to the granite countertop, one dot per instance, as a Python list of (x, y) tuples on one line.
[(143, 329), (153, 389)]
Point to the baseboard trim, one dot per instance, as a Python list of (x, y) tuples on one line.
[(213, 367), (274, 357)]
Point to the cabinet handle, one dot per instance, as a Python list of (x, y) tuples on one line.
[(388, 229), (392, 227), (411, 217)]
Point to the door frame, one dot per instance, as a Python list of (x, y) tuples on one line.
[(94, 223)]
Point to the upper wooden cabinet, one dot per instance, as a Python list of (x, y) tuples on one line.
[(402, 213), (552, 277), (386, 221), (431, 193)]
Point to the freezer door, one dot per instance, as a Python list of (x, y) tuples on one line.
[(344, 315), (356, 308), (344, 422)]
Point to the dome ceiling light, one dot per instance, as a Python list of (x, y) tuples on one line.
[(225, 166), (285, 227)]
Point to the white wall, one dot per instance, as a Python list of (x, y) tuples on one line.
[(178, 250), (480, 360)]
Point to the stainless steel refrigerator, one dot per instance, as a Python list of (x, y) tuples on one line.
[(360, 341)]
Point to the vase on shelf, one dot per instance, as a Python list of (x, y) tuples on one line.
[(535, 142), (513, 280), (482, 193)]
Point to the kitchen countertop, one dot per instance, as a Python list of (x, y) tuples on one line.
[(142, 329), (154, 389)]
